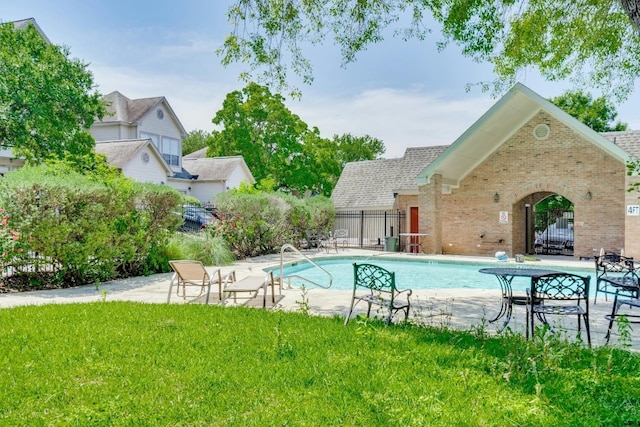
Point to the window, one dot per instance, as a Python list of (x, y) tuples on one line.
[(171, 150), (153, 137), (169, 147)]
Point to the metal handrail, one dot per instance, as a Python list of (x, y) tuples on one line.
[(375, 255), (288, 246)]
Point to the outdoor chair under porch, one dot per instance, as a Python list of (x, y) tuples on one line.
[(377, 286)]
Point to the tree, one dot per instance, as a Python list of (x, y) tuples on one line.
[(595, 43), (357, 148), (258, 126), (597, 113), (195, 140), (47, 100), (277, 145)]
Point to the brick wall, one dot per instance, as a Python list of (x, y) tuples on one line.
[(525, 170), (632, 222)]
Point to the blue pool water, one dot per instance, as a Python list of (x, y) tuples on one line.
[(414, 274)]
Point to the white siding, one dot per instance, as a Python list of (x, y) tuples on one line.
[(105, 133), (164, 127), (206, 191), (8, 161), (6, 152), (182, 185), (237, 176), (153, 171), (113, 132)]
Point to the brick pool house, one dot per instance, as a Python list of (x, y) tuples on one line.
[(477, 196)]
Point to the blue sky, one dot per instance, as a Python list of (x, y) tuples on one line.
[(405, 93)]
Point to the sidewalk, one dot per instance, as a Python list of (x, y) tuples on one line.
[(453, 308)]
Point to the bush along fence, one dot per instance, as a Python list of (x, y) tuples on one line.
[(260, 223), (62, 228)]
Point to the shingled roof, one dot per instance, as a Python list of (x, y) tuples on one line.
[(628, 140), (24, 23), (214, 168), (120, 152), (200, 154), (122, 109), (354, 189)]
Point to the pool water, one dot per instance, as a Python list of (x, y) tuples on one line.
[(418, 274)]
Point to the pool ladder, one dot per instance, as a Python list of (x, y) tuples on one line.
[(292, 248)]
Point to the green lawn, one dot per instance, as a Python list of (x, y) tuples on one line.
[(122, 363)]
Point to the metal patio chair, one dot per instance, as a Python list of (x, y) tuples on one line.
[(616, 273), (623, 298), (562, 294), (376, 285)]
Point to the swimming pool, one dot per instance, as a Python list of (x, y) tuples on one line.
[(413, 274)]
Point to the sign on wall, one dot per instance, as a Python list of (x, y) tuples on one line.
[(633, 210), (504, 217)]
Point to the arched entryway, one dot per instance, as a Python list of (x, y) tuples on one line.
[(543, 224), (553, 226)]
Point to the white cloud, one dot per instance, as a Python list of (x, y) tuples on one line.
[(400, 118)]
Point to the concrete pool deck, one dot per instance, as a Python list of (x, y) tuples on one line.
[(453, 308)]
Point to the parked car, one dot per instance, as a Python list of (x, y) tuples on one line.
[(554, 239), (196, 217)]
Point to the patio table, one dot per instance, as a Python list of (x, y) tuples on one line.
[(505, 276)]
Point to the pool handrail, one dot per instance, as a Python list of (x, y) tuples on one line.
[(288, 246), (375, 255)]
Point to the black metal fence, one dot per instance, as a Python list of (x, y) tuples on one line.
[(368, 229), (554, 233)]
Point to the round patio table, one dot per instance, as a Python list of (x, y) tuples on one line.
[(505, 275)]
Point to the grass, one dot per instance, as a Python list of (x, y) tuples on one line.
[(123, 363)]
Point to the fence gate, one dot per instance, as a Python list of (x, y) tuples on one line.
[(554, 232), (368, 229)]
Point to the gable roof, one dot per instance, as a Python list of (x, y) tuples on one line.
[(487, 134), (354, 189), (121, 109), (120, 152), (200, 154), (414, 161), (24, 23), (215, 168)]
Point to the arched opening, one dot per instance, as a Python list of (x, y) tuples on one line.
[(552, 218)]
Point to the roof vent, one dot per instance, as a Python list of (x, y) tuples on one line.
[(541, 131)]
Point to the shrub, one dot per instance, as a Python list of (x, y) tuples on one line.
[(12, 243), (77, 229), (260, 223), (207, 248)]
